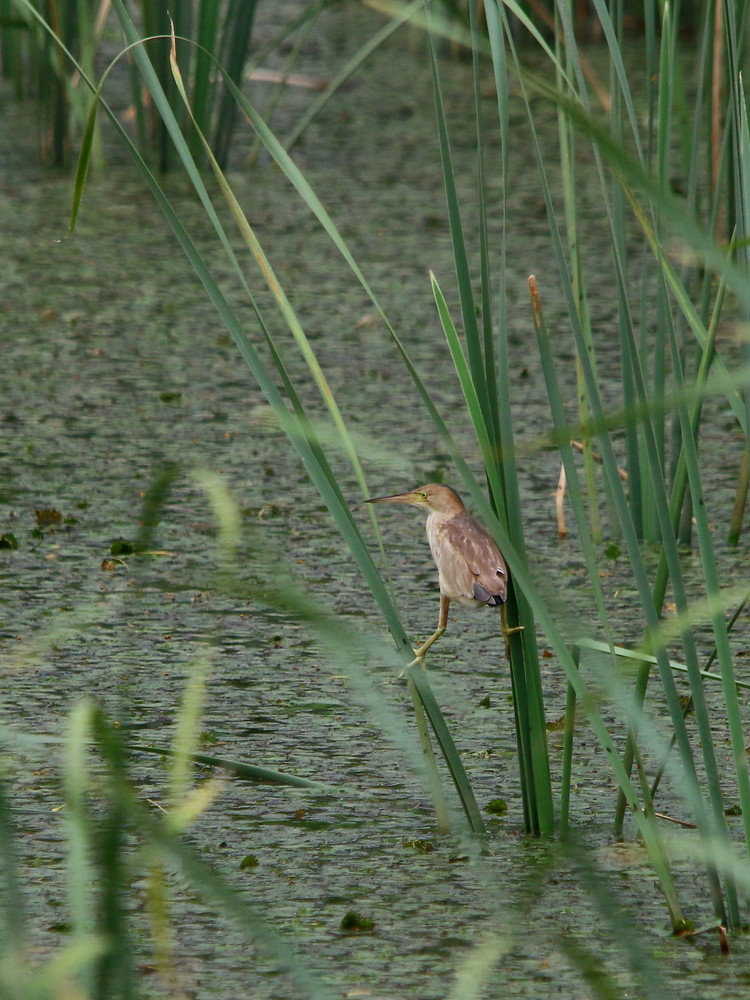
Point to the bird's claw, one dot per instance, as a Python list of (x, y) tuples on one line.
[(419, 658), (507, 633)]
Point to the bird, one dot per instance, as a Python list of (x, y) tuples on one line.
[(471, 568)]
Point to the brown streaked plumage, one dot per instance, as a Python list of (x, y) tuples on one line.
[(471, 569)]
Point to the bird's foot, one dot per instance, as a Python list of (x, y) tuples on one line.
[(420, 658), (420, 652), (507, 633)]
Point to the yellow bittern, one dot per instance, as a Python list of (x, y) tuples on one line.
[(471, 569)]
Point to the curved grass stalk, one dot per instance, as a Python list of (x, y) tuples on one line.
[(299, 430), (425, 695), (277, 290), (295, 425)]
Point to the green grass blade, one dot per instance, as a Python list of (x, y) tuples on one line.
[(115, 972), (245, 770), (706, 545), (633, 179), (608, 456), (640, 656), (298, 430), (13, 927), (203, 84), (460, 256), (563, 437), (474, 406), (81, 845), (568, 170), (615, 53), (488, 397), (236, 32), (277, 290), (488, 291), (202, 878), (416, 676), (566, 776), (299, 433)]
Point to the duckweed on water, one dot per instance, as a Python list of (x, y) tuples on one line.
[(497, 807), (354, 923)]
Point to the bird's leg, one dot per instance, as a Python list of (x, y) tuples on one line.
[(507, 632), (419, 654)]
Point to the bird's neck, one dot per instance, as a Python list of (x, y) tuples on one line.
[(437, 517)]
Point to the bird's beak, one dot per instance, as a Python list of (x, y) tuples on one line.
[(410, 497)]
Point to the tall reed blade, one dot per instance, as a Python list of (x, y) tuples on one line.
[(487, 393)]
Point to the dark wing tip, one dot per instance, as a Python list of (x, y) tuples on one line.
[(483, 595)]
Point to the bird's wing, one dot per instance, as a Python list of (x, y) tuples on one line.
[(485, 565)]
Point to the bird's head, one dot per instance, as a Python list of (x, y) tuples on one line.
[(433, 497)]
